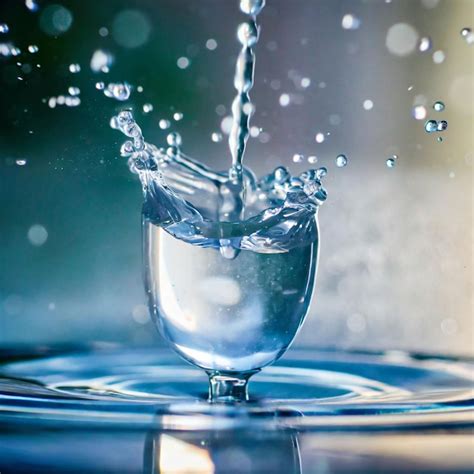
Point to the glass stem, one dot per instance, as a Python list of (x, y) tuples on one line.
[(229, 388)]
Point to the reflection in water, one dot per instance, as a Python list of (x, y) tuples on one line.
[(208, 452)]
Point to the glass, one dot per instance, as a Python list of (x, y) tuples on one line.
[(229, 316)]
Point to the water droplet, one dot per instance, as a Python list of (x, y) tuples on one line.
[(20, 162), (211, 44), (425, 44), (312, 159), (101, 61), (321, 172), (140, 89), (442, 126), (305, 82), (74, 90), (55, 20), (254, 131), (252, 7), (31, 5), (4, 28), (438, 106), (419, 112), (164, 124), (37, 235), (440, 139), (174, 139), (216, 137), (341, 161), (183, 62), (131, 28), (119, 91), (466, 32), (147, 108), (32, 48), (247, 33), (390, 162), (439, 57), (401, 39), (177, 116), (226, 124), (368, 104), (431, 126), (319, 137), (74, 68), (297, 158), (350, 22), (284, 100), (100, 86), (103, 31)]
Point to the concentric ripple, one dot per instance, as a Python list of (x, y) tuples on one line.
[(305, 390)]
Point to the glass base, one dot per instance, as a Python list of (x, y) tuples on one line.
[(307, 390)]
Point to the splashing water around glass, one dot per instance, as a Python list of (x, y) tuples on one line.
[(230, 260)]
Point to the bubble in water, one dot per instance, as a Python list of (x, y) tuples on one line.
[(101, 61), (247, 33), (32, 48), (431, 126), (438, 106), (211, 44), (350, 22), (55, 20), (319, 137), (368, 104), (147, 108), (4, 28), (284, 100), (216, 137), (252, 7), (164, 124), (312, 159), (183, 62), (419, 112), (31, 5), (37, 235), (401, 39), (297, 158), (74, 90), (341, 161), (100, 86), (119, 91), (74, 68), (439, 57), (20, 162), (177, 116), (425, 44), (174, 139), (442, 126)]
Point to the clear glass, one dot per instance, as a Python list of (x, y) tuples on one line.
[(229, 316)]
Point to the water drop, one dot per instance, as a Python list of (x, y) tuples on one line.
[(119, 91), (247, 34), (177, 116), (438, 106), (183, 62), (164, 124), (216, 137), (100, 86), (341, 161), (390, 162), (31, 5), (419, 112), (37, 235), (74, 90), (211, 44), (297, 158), (252, 7), (321, 172), (431, 126), (32, 48), (312, 159), (439, 57), (101, 61), (147, 108), (442, 126), (20, 162), (466, 32), (440, 139), (174, 139), (425, 44), (284, 100), (350, 22), (74, 68), (319, 137), (305, 82), (4, 28), (254, 131), (368, 104), (103, 31)]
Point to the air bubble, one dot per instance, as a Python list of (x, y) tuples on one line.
[(341, 161)]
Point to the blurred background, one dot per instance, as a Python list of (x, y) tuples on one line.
[(396, 255)]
